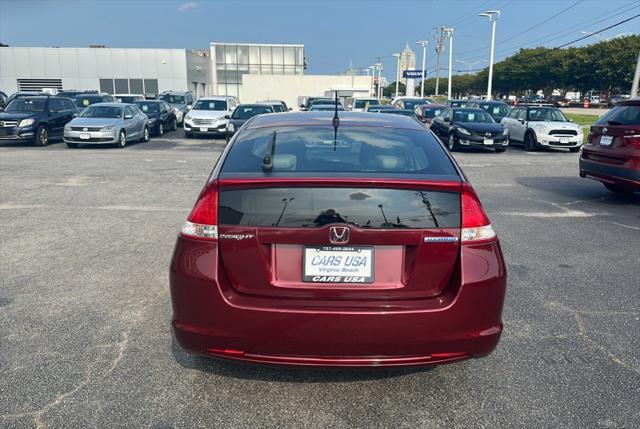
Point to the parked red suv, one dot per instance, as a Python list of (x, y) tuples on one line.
[(612, 152), (350, 241)]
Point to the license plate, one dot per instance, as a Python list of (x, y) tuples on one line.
[(204, 129), (328, 264), (564, 140), (85, 136), (488, 141), (606, 140)]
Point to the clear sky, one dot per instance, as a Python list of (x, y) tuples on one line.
[(335, 33)]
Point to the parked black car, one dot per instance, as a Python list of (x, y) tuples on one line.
[(36, 119), (85, 100), (379, 107), (243, 113), (470, 127), (403, 112), (496, 109), (72, 93), (161, 116), (3, 100), (278, 105)]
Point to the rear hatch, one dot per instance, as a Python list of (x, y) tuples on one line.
[(615, 138), (339, 239)]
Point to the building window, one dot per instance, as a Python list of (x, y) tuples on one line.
[(151, 86), (121, 86), (135, 86), (106, 85), (39, 84)]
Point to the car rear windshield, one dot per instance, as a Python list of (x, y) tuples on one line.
[(621, 115), (210, 105), (172, 99), (25, 105), (348, 151), (246, 112), (361, 207), (360, 104), (96, 111), (87, 101)]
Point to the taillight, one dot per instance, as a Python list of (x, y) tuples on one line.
[(203, 220), (476, 226), (632, 140)]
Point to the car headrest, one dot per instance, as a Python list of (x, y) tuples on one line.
[(284, 161), (389, 162)]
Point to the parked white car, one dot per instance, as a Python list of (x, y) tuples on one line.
[(361, 104), (207, 117), (537, 127)]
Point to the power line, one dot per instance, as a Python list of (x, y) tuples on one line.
[(570, 30), (528, 29)]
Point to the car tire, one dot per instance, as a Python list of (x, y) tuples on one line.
[(160, 129), (145, 134), (530, 144), (500, 149), (618, 190), (122, 140), (188, 134), (42, 136), (574, 149), (73, 145), (451, 143), (174, 125)]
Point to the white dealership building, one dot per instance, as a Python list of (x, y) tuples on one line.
[(252, 72)]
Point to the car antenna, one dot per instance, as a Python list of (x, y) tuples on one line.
[(335, 121), (267, 161)]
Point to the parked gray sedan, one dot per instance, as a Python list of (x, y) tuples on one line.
[(107, 123)]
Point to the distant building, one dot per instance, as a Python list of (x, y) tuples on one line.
[(407, 61)]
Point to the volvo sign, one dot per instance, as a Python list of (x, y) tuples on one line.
[(412, 74)]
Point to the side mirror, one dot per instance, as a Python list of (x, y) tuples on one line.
[(128, 116), (227, 116), (570, 120)]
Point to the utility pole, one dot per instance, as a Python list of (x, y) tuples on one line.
[(379, 67), (397, 56), (423, 43), (636, 78), (439, 49)]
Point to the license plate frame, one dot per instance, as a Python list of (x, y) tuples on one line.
[(85, 136), (606, 141), (564, 140), (204, 129), (488, 142), (337, 273)]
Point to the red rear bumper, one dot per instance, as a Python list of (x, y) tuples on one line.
[(210, 318)]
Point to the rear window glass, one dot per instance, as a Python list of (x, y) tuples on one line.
[(431, 113), (356, 151), (621, 115), (495, 109), (361, 207), (361, 104), (246, 112)]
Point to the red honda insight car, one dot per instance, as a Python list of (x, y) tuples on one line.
[(612, 152), (337, 241)]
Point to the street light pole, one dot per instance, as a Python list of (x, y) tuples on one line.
[(397, 56), (449, 34), (636, 79), (379, 67), (373, 75), (423, 43), (493, 16), (470, 64)]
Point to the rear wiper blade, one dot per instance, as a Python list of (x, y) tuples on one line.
[(267, 161)]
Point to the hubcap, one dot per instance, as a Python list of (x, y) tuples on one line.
[(161, 130), (450, 142), (123, 139), (146, 134), (43, 136)]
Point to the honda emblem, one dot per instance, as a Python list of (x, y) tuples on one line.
[(339, 235)]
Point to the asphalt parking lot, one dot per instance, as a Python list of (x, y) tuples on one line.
[(86, 237)]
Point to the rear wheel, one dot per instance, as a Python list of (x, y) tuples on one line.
[(122, 140), (72, 145), (174, 125), (42, 136), (530, 142), (451, 143), (618, 189)]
